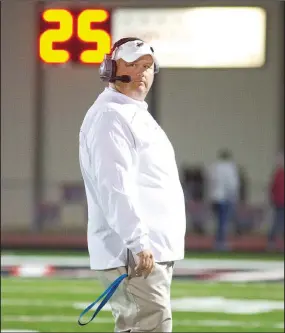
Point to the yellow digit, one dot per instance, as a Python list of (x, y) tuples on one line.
[(86, 34), (62, 34)]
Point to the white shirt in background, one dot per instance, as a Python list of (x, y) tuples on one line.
[(223, 181), (135, 199)]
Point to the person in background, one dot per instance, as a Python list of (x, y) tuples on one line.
[(241, 223), (277, 201), (223, 193)]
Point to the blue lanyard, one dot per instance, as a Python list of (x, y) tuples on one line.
[(106, 295)]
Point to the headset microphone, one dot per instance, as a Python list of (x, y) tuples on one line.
[(123, 78)]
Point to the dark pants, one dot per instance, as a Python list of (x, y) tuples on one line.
[(278, 224), (222, 211)]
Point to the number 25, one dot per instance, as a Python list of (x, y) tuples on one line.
[(64, 33)]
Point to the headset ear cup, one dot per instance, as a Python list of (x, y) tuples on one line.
[(114, 70), (107, 69)]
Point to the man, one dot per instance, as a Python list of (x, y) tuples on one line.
[(223, 186), (136, 213)]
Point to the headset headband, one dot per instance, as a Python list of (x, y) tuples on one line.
[(123, 41)]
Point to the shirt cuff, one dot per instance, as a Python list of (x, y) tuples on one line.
[(140, 245)]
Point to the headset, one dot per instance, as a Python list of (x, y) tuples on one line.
[(108, 67)]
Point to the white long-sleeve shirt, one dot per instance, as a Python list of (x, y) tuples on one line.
[(134, 196), (223, 181)]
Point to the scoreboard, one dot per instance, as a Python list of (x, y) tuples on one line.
[(191, 37), (74, 35)]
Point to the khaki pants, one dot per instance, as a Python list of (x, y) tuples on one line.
[(139, 304)]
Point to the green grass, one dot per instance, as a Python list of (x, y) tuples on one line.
[(192, 254), (46, 305)]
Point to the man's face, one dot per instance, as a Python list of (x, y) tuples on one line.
[(141, 72)]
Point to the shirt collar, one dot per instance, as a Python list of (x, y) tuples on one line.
[(122, 99)]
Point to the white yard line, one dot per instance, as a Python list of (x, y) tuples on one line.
[(264, 294), (212, 304), (36, 303), (206, 323), (49, 290), (47, 319), (194, 264), (268, 275)]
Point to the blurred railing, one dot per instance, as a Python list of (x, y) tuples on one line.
[(62, 219), (65, 209)]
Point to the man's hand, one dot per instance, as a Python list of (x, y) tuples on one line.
[(146, 263)]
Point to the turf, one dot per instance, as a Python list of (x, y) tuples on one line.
[(47, 305), (189, 254)]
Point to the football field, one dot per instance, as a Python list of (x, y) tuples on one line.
[(53, 304)]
